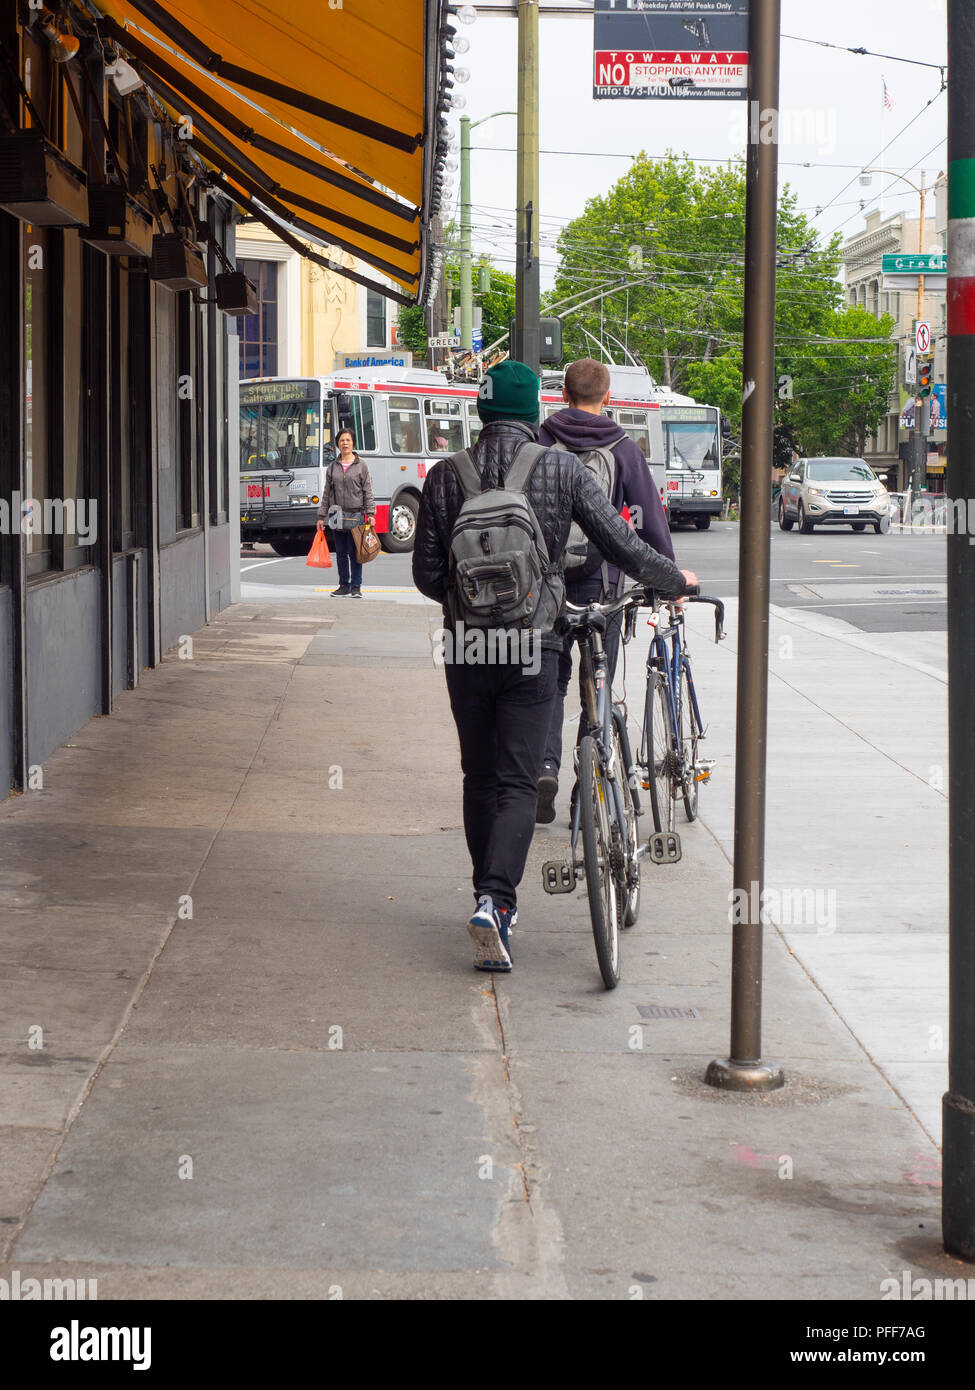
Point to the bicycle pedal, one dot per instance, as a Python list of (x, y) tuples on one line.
[(558, 876), (703, 770), (663, 847)]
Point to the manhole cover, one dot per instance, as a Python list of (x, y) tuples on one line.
[(665, 1011)]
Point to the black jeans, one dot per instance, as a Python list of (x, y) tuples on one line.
[(350, 571), (582, 592), (502, 715)]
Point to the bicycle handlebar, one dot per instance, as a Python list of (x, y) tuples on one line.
[(719, 632), (645, 597)]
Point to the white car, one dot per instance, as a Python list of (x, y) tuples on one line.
[(833, 492)]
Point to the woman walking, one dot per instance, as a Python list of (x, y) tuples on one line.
[(347, 502)]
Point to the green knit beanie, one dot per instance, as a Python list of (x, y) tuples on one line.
[(508, 392)]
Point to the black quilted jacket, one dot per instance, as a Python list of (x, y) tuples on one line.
[(560, 491)]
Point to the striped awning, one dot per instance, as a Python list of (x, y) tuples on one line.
[(319, 112)]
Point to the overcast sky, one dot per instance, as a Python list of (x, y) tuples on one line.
[(832, 105)]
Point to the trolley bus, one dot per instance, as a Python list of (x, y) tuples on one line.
[(402, 419), (692, 440)]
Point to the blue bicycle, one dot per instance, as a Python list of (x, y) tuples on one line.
[(672, 726)]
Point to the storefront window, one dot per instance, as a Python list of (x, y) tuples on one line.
[(259, 332)]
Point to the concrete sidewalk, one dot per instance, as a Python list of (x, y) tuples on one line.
[(235, 912)]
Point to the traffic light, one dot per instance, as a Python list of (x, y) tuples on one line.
[(924, 369)]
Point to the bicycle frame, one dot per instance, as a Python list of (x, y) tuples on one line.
[(601, 714), (671, 662), (669, 659)]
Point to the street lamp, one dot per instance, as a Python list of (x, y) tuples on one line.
[(466, 264), (922, 193), (921, 426)]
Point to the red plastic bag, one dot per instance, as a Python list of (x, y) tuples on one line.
[(318, 556)]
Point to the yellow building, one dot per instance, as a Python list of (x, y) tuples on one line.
[(310, 318)]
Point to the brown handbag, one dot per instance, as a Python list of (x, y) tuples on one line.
[(366, 543)]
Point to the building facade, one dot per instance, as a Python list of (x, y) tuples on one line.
[(117, 407), (862, 258), (311, 321), (127, 169)]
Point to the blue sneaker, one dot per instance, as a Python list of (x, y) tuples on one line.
[(489, 928)]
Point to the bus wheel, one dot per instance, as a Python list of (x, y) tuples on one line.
[(702, 522), (402, 525)]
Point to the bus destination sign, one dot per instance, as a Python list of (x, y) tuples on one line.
[(674, 413), (256, 392)]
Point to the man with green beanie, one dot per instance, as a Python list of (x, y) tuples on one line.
[(502, 710)]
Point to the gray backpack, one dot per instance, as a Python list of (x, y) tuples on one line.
[(499, 569), (601, 463)]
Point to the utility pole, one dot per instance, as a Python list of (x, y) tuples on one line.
[(526, 345), (744, 1069), (958, 1106), (466, 260)]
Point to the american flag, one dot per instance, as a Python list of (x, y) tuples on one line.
[(888, 99)]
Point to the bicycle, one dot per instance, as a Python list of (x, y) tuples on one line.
[(672, 726), (607, 807)]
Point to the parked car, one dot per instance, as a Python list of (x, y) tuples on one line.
[(833, 492)]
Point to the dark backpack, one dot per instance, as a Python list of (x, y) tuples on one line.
[(500, 574), (601, 463)]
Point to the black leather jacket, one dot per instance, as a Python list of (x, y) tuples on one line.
[(560, 491)]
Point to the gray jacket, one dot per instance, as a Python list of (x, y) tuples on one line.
[(350, 489)]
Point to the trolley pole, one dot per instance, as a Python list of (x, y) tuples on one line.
[(525, 347), (744, 1069), (958, 1105)]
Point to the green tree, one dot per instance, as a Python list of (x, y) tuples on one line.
[(843, 383), (413, 328), (497, 304), (666, 247)]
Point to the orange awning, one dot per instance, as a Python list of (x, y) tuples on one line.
[(318, 112)]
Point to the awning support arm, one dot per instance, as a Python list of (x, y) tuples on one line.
[(293, 96), (258, 177), (144, 55), (335, 267)]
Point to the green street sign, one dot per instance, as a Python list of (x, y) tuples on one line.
[(932, 263)]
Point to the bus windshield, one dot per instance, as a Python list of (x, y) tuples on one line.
[(692, 444), (276, 434)]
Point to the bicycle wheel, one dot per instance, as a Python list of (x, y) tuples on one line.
[(690, 732), (658, 755), (630, 903), (597, 816)]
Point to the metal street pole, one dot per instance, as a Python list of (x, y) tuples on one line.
[(958, 1106), (744, 1069), (466, 289), (466, 260), (919, 443), (526, 346)]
